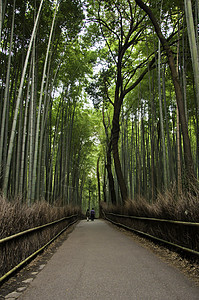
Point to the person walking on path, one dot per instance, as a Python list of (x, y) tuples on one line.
[(92, 214), (87, 215)]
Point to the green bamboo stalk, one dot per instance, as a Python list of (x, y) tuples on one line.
[(11, 143), (1, 17), (6, 95), (193, 46), (39, 109)]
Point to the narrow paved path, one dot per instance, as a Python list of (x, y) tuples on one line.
[(100, 262)]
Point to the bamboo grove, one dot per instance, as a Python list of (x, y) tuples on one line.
[(44, 144), (150, 81), (138, 61)]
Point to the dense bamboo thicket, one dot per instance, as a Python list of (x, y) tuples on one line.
[(148, 95), (46, 127), (138, 63)]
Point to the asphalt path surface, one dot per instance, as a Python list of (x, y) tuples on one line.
[(99, 262)]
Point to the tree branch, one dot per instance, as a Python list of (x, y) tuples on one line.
[(149, 67)]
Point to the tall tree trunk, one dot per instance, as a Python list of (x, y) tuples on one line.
[(179, 173), (24, 142), (6, 95), (108, 165), (41, 167), (138, 160), (39, 110), (55, 140), (115, 138), (98, 181), (19, 150), (161, 119), (178, 139), (31, 126), (197, 144), (144, 175), (131, 167), (3, 4), (1, 17), (170, 165), (193, 46), (104, 183), (110, 175), (151, 97), (184, 64)]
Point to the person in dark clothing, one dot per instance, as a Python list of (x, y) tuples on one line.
[(92, 214), (87, 215)]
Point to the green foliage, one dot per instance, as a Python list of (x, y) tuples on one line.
[(70, 17), (98, 88)]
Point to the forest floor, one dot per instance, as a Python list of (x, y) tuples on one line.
[(189, 268)]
